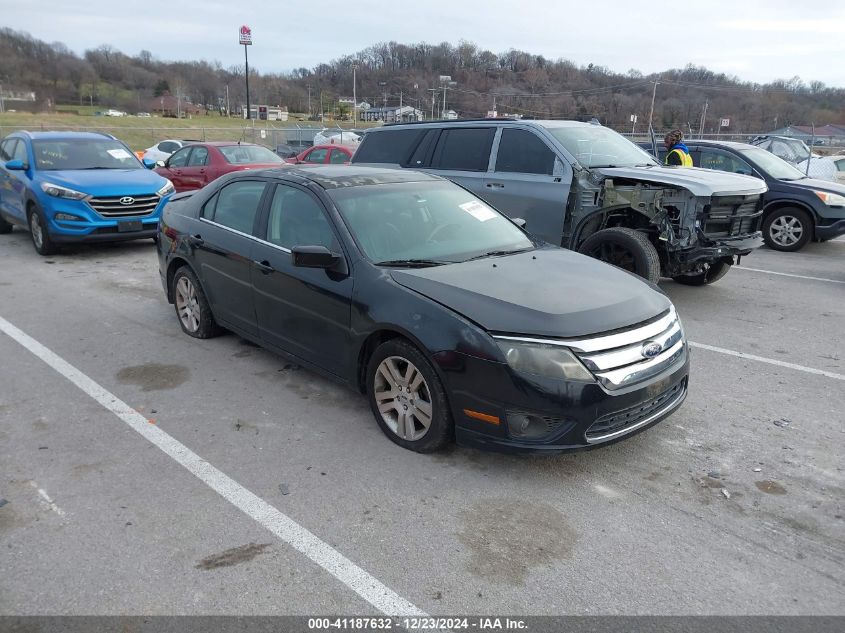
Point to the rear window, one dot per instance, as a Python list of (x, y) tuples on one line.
[(248, 154), (389, 146)]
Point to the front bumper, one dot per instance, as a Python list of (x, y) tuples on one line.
[(831, 230), (583, 415), (93, 227), (721, 249)]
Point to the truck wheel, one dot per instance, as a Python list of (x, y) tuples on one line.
[(624, 248), (787, 229), (714, 273)]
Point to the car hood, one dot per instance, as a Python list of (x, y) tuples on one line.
[(547, 292), (700, 182), (106, 182), (815, 184)]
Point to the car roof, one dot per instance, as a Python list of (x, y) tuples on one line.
[(338, 176), (547, 123), (225, 143), (57, 136), (729, 144)]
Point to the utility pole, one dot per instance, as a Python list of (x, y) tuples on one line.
[(227, 101), (2, 104), (703, 119), (651, 112), (309, 100), (433, 92), (354, 96)]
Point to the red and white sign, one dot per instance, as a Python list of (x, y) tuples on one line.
[(245, 35)]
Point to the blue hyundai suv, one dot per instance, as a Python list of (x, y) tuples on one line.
[(77, 187)]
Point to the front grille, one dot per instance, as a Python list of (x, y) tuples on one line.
[(620, 359), (732, 216), (638, 415), (111, 207)]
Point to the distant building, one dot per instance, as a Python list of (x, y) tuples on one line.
[(829, 133), (169, 106), (362, 105), (392, 114), (266, 113)]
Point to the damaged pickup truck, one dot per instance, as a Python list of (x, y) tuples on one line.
[(587, 188)]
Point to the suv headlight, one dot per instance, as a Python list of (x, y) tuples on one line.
[(167, 189), (551, 361), (831, 199), (57, 191)]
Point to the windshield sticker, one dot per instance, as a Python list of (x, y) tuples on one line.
[(478, 210), (120, 154)]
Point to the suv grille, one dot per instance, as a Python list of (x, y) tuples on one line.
[(111, 207), (627, 420), (732, 216)]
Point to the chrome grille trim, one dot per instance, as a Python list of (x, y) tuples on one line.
[(631, 354), (632, 374), (110, 206)]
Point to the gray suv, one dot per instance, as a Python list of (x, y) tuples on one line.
[(587, 188)]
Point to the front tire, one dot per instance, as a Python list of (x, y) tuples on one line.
[(407, 398), (44, 246), (192, 307), (787, 229), (624, 248), (712, 274)]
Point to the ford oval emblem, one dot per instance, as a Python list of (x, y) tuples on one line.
[(125, 200), (651, 349)]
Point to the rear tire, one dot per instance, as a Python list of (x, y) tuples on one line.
[(5, 227), (787, 229), (407, 398), (714, 273), (624, 248), (41, 241), (192, 309)]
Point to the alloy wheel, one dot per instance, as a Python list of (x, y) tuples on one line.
[(36, 230), (403, 398), (187, 304), (786, 230)]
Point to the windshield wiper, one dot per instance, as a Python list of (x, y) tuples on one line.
[(499, 253), (413, 263)]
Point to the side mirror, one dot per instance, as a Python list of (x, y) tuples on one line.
[(313, 257), (519, 222), (160, 163), (16, 165), (149, 163)]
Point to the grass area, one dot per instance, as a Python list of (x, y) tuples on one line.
[(139, 133)]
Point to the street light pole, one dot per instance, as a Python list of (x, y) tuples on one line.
[(354, 96)]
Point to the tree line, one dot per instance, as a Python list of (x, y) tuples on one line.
[(514, 82)]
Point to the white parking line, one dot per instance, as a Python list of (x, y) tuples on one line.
[(769, 361), (772, 272), (288, 530), (47, 500)]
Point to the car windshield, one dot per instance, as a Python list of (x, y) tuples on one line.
[(772, 165), (246, 154), (425, 222), (597, 146), (83, 154)]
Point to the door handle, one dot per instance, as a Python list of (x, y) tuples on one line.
[(196, 240), (495, 185), (264, 266)]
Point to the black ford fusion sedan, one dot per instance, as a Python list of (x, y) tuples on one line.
[(452, 319)]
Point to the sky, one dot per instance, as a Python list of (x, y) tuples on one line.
[(756, 40)]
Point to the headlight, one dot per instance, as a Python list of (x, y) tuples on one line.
[(551, 361), (167, 189), (57, 191), (831, 199)]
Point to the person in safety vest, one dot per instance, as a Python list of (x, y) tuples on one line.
[(678, 152)]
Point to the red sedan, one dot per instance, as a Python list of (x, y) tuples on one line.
[(196, 165), (325, 155)]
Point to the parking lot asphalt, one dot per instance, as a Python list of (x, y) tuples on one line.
[(733, 505)]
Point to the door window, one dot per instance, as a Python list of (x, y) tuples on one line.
[(722, 161), (19, 153), (338, 157), (522, 152), (393, 146), (236, 205), (297, 219), (465, 149), (179, 158), (199, 157), (317, 156), (840, 165), (7, 148)]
